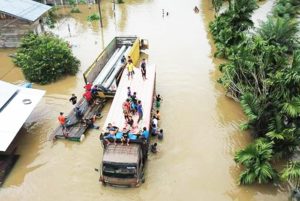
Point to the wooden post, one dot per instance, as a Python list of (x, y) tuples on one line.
[(99, 7)]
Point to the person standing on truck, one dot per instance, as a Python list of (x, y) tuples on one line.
[(73, 99), (128, 92), (140, 111), (78, 113), (145, 133), (130, 70), (129, 59), (143, 69), (130, 121), (88, 86), (88, 97), (123, 60), (133, 97), (62, 120)]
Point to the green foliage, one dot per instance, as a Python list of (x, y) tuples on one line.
[(75, 10), (256, 159), (292, 173), (280, 32), (217, 4), (45, 58), (119, 1), (72, 2), (229, 27), (263, 73), (93, 17), (287, 9), (52, 16), (82, 1)]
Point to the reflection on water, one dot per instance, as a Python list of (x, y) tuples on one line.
[(195, 161)]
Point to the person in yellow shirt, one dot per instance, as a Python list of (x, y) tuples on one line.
[(130, 69)]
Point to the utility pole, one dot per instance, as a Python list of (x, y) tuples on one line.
[(99, 7)]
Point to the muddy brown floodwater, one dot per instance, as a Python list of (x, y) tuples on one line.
[(195, 160)]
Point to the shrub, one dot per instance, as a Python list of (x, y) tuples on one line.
[(93, 17), (45, 58)]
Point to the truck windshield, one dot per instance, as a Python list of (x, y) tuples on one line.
[(119, 171)]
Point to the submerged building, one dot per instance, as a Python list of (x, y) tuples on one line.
[(17, 18)]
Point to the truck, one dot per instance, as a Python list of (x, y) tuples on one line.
[(106, 70), (124, 164)]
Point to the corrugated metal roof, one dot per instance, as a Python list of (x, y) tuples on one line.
[(24, 9), (15, 110)]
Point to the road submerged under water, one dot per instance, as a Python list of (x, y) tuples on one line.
[(195, 160)]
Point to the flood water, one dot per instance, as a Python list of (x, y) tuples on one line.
[(195, 160)]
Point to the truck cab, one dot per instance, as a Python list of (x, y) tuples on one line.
[(122, 165)]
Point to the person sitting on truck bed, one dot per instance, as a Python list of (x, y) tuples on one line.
[(125, 136), (110, 136), (131, 136)]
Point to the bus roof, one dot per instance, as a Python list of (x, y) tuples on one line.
[(145, 92), (121, 154)]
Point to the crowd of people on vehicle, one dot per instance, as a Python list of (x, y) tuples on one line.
[(132, 110), (133, 114), (88, 122)]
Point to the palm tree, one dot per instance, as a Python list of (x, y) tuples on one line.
[(280, 32), (292, 173), (256, 159)]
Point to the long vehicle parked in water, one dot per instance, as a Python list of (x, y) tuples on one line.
[(122, 164)]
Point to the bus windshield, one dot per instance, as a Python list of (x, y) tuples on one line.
[(119, 171)]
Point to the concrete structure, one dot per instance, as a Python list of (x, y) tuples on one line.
[(17, 18)]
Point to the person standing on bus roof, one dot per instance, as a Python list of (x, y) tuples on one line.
[(140, 111), (143, 69)]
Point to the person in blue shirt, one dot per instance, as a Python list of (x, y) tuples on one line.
[(140, 111), (145, 133)]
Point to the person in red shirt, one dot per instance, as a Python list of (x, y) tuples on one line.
[(62, 119), (88, 96), (88, 86)]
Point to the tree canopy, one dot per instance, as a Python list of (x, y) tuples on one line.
[(45, 58)]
